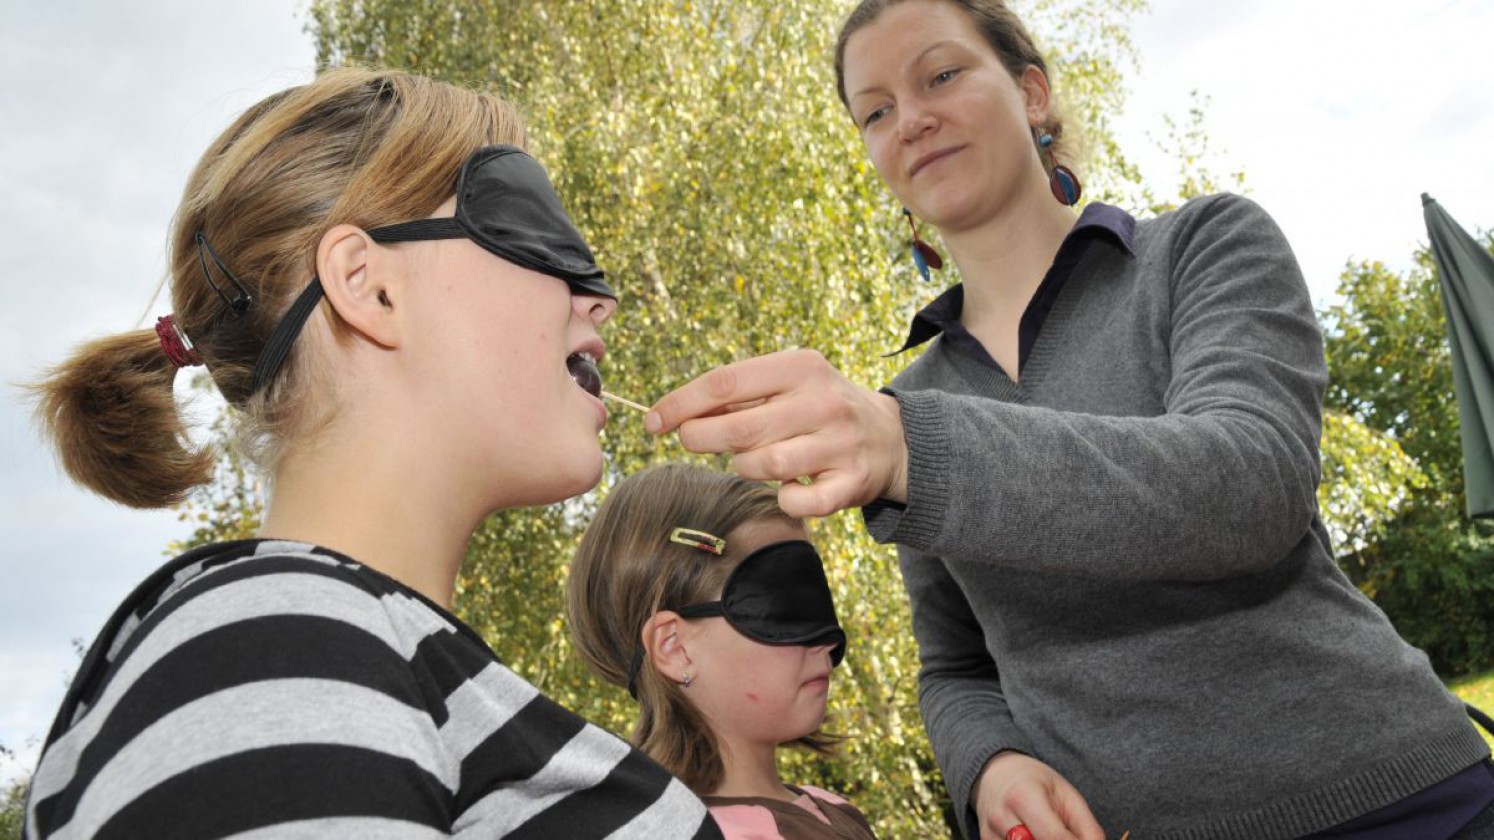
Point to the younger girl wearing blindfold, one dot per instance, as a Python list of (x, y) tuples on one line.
[(694, 590)]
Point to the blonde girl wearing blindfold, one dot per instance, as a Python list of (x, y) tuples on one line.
[(694, 590), (384, 287)]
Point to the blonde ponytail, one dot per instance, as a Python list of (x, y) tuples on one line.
[(111, 414)]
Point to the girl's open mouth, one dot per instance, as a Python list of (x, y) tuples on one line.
[(583, 369)]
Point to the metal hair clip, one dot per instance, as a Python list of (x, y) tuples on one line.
[(698, 539), (204, 251)]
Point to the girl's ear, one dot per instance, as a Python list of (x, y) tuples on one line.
[(666, 648), (359, 283)]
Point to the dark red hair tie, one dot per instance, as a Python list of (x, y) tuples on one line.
[(175, 343)]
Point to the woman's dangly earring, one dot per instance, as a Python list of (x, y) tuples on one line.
[(1063, 182), (924, 255), (687, 679)]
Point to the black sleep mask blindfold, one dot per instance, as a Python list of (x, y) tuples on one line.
[(777, 595), (506, 204)]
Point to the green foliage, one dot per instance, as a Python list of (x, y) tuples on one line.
[(13, 809), (12, 798), (1367, 477), (231, 507), (1388, 364), (1431, 570), (1477, 690), (1187, 143)]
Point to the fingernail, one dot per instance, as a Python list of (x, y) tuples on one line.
[(653, 423)]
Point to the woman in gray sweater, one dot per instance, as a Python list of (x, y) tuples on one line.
[(1101, 478)]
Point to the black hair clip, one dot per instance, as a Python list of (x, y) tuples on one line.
[(241, 302)]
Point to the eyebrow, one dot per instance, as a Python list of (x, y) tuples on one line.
[(916, 59)]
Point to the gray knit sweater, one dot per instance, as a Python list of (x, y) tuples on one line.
[(1117, 565)]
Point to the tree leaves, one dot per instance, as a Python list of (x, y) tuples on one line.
[(1431, 570)]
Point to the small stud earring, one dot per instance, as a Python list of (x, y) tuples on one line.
[(687, 680), (1063, 183), (924, 255)]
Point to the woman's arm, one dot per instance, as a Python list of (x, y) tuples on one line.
[(959, 689), (1222, 483), (987, 761)]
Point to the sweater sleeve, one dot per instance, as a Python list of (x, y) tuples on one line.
[(1222, 483), (960, 699), (269, 698)]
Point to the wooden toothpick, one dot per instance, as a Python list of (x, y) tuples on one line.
[(627, 402)]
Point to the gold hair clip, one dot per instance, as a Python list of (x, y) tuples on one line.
[(698, 539)]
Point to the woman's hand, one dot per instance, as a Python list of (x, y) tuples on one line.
[(1018, 789), (790, 415)]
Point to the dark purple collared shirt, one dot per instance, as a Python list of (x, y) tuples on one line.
[(1438, 812), (1099, 223)]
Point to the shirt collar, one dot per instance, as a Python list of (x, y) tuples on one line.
[(1097, 221)]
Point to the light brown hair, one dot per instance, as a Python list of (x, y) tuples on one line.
[(355, 146), (626, 569), (1008, 38)]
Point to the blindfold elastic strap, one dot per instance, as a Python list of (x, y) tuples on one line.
[(279, 344), (420, 230), (284, 336), (707, 610)]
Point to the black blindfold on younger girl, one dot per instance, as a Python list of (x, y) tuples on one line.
[(777, 595)]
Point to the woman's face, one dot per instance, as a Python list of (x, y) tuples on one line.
[(754, 694), (498, 348), (947, 127)]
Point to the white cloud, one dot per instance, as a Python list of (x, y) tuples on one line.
[(1340, 112)]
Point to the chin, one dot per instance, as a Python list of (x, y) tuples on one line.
[(949, 213), (577, 474), (546, 482), (589, 477)]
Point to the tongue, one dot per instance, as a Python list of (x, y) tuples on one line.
[(585, 372)]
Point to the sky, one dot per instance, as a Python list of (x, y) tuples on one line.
[(1340, 112)]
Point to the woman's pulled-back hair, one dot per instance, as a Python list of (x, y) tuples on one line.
[(626, 569), (355, 146), (1001, 28)]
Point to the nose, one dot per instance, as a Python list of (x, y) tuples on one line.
[(914, 121), (597, 310)]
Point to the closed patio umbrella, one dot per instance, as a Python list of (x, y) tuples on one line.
[(1465, 271)]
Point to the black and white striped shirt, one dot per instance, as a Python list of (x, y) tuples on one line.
[(262, 689)]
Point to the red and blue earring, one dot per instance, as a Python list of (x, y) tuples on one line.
[(924, 255), (1063, 182)]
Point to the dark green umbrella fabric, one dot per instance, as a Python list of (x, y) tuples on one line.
[(1466, 272)]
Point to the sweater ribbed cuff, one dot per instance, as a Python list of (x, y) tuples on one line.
[(927, 436)]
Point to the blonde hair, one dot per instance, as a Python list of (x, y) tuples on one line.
[(1008, 38), (626, 569), (355, 146)]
